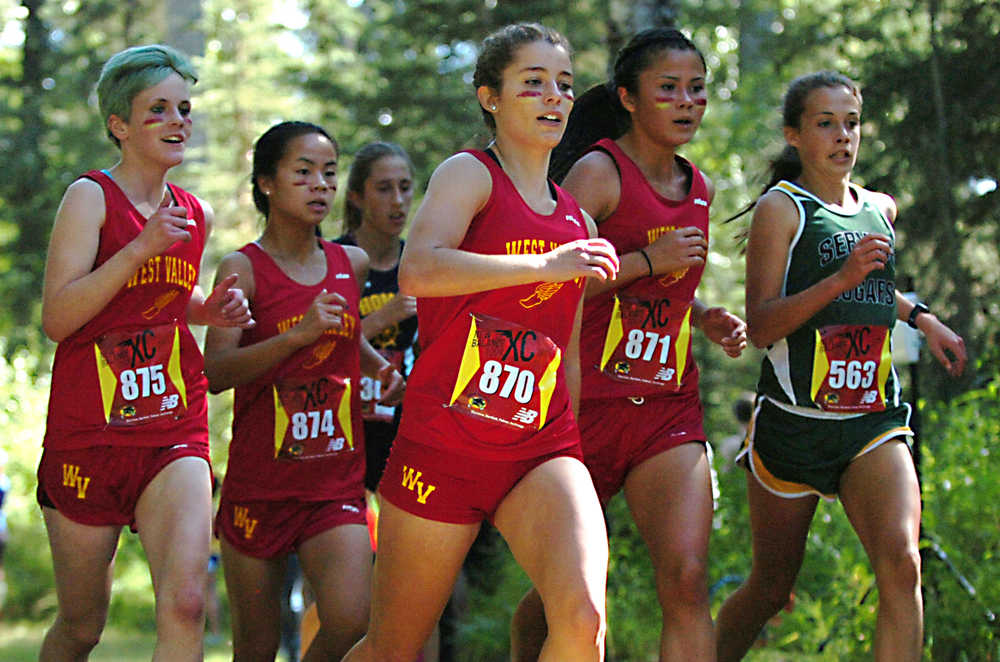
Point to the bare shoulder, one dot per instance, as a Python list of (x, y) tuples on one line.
[(237, 263), (595, 183), (886, 204), (775, 211), (359, 259)]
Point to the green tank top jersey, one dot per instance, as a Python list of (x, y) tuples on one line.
[(839, 363)]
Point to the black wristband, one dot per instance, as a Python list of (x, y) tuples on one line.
[(648, 263), (917, 309)]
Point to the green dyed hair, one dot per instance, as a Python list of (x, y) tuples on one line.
[(133, 70)]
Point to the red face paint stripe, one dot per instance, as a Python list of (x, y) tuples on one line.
[(701, 102), (529, 93)]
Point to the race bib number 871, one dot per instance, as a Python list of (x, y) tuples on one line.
[(647, 341), (851, 365), (508, 373)]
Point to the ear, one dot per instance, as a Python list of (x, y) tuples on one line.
[(791, 136), (626, 99), (118, 127), (355, 198), (488, 98)]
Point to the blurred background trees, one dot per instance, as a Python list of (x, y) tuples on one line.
[(401, 70)]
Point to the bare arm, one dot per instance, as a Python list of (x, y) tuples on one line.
[(227, 305), (771, 316), (433, 266), (228, 365), (74, 291), (596, 185)]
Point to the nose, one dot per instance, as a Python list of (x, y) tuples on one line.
[(552, 92), (323, 182)]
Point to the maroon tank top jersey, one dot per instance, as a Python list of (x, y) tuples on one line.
[(636, 341), (489, 381), (297, 430), (134, 375)]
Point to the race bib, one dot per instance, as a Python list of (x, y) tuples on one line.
[(508, 374), (140, 375), (647, 342), (371, 390), (851, 365), (312, 418)]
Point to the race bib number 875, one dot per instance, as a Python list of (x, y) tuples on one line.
[(140, 375), (508, 373), (851, 364)]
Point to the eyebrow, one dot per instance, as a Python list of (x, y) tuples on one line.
[(311, 162), (543, 69), (670, 77)]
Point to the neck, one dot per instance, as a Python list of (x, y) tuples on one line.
[(830, 191), (142, 183), (289, 241), (382, 249), (527, 168), (658, 162)]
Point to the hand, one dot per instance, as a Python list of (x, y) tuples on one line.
[(168, 225), (399, 308), (228, 306), (942, 341), (725, 329), (871, 253), (325, 312), (590, 258), (677, 250), (393, 385)]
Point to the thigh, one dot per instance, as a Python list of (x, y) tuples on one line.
[(338, 565), (779, 526), (553, 523), (173, 517), (670, 497), (254, 588), (83, 562), (881, 497), (416, 566)]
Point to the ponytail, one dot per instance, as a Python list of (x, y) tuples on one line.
[(597, 114)]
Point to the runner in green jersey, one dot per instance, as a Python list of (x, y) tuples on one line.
[(821, 298)]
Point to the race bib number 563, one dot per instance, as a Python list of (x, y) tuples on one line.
[(140, 375), (851, 364), (508, 373)]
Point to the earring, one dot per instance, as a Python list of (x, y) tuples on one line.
[(493, 108)]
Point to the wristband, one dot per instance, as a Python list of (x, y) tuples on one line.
[(917, 309), (648, 263)]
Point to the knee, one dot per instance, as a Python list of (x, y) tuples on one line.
[(83, 633), (898, 569), (581, 620), (684, 583), (184, 603)]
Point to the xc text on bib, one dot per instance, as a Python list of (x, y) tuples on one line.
[(140, 375), (851, 364), (312, 417), (508, 373), (647, 342)]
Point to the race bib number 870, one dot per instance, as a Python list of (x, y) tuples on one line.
[(508, 373)]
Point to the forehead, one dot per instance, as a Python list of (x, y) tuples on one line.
[(391, 166), (671, 62), (314, 147), (540, 56), (836, 99), (172, 88)]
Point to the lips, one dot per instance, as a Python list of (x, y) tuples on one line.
[(551, 118)]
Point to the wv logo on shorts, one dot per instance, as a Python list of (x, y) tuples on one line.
[(72, 478), (242, 520), (412, 482)]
